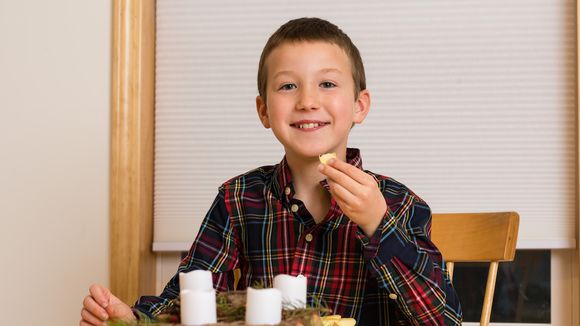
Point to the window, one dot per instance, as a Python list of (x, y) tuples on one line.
[(522, 292)]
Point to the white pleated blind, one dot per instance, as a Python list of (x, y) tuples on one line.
[(473, 105)]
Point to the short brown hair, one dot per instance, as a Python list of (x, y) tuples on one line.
[(312, 29)]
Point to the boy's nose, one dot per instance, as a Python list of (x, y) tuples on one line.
[(308, 100)]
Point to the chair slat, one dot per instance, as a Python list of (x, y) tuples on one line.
[(476, 236)]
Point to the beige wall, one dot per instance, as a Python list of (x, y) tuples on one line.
[(54, 152)]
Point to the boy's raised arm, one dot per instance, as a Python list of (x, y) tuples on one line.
[(396, 242)]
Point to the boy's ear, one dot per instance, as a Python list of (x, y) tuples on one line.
[(362, 106), (262, 110)]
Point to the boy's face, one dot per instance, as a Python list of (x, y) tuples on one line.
[(311, 105)]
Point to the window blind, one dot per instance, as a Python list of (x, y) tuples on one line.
[(473, 105)]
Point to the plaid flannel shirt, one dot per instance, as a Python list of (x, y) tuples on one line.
[(256, 225)]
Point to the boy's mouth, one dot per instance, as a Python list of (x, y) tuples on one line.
[(309, 124)]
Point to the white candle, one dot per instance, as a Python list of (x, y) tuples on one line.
[(263, 306), (198, 307), (293, 290), (196, 280)]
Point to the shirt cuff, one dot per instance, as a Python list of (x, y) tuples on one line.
[(385, 237)]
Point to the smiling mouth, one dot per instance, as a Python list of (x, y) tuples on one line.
[(309, 125)]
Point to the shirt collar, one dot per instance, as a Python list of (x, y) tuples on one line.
[(282, 177)]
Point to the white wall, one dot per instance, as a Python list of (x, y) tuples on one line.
[(54, 157)]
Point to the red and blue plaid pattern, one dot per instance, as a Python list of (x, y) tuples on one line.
[(256, 225)]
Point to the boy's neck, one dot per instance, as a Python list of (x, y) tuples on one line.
[(305, 174), (306, 181), (305, 170)]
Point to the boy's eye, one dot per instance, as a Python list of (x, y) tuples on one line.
[(327, 84), (287, 87)]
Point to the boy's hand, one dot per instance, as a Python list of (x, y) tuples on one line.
[(101, 305), (356, 193)]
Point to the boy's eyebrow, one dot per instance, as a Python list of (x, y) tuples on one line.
[(282, 72), (324, 70)]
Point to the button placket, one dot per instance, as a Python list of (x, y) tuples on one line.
[(300, 258)]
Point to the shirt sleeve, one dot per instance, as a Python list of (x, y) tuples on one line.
[(409, 267), (214, 249)]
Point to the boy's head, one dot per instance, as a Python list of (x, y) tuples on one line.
[(310, 30)]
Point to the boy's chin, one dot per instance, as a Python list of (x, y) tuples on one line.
[(310, 154)]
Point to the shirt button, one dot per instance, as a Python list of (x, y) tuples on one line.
[(308, 237), (393, 296), (287, 191), (294, 208)]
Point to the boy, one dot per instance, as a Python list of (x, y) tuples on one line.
[(360, 238)]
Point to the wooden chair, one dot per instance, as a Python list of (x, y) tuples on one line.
[(477, 237)]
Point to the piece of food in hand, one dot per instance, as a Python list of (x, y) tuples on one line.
[(325, 157), (347, 322), (336, 320)]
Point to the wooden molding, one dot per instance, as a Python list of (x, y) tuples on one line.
[(576, 259), (132, 262)]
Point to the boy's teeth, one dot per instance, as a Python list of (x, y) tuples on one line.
[(308, 125)]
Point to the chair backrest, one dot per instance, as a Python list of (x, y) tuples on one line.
[(477, 237)]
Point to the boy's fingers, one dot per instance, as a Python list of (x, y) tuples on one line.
[(94, 308), (100, 294), (339, 177), (120, 310), (341, 194), (352, 171), (89, 318)]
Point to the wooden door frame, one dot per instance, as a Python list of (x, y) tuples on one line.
[(132, 261), (576, 260)]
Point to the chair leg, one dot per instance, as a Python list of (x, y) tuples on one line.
[(489, 289), (449, 266), (237, 276)]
